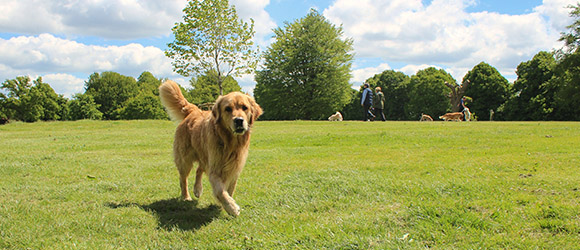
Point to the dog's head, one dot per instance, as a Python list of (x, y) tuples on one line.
[(236, 111)]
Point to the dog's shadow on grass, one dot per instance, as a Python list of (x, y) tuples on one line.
[(176, 213)]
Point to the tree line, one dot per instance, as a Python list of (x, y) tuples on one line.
[(542, 91), (107, 96)]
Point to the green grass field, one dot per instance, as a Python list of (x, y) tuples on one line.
[(306, 185)]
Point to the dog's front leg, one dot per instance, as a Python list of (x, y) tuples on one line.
[(232, 187), (222, 195)]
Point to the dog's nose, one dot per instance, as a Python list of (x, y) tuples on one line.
[(239, 122)]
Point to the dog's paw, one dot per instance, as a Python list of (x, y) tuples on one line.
[(197, 192), (188, 198), (233, 209)]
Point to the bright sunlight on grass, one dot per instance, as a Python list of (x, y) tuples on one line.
[(306, 185)]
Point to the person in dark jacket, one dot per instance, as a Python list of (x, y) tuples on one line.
[(367, 102)]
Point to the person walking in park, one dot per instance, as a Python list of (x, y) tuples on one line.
[(379, 103), (462, 107), (367, 102)]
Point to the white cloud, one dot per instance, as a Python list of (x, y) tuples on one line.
[(444, 33), (62, 60), (47, 53), (127, 19), (412, 69), (557, 12), (65, 84), (59, 59), (263, 23), (362, 74)]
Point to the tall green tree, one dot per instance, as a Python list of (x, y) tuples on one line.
[(488, 89), (206, 88), (306, 70), (428, 93), (395, 87), (533, 91), (110, 90), (212, 37)]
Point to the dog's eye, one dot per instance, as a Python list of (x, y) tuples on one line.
[(228, 109), (244, 108)]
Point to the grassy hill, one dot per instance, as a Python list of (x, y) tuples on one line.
[(306, 185)]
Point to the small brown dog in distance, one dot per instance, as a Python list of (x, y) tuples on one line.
[(456, 116), (218, 140), (426, 118)]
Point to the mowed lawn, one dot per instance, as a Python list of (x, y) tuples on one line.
[(306, 185)]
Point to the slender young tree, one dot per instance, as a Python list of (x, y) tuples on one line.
[(212, 37)]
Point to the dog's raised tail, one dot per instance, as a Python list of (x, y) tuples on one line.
[(174, 102)]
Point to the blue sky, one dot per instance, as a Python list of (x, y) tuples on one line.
[(65, 41)]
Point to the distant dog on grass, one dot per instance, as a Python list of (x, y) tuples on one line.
[(426, 118), (456, 116), (466, 114), (218, 140), (336, 117)]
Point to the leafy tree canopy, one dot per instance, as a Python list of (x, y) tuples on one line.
[(212, 37), (428, 93), (110, 90), (488, 89), (83, 106), (307, 71), (533, 91), (31, 101), (206, 88)]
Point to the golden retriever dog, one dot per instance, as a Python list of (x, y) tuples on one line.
[(218, 140), (456, 116), (426, 118), (336, 117)]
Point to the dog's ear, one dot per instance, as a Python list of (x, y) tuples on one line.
[(256, 110), (216, 109)]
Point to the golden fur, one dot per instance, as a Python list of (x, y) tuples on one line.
[(426, 118), (218, 140), (456, 116)]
